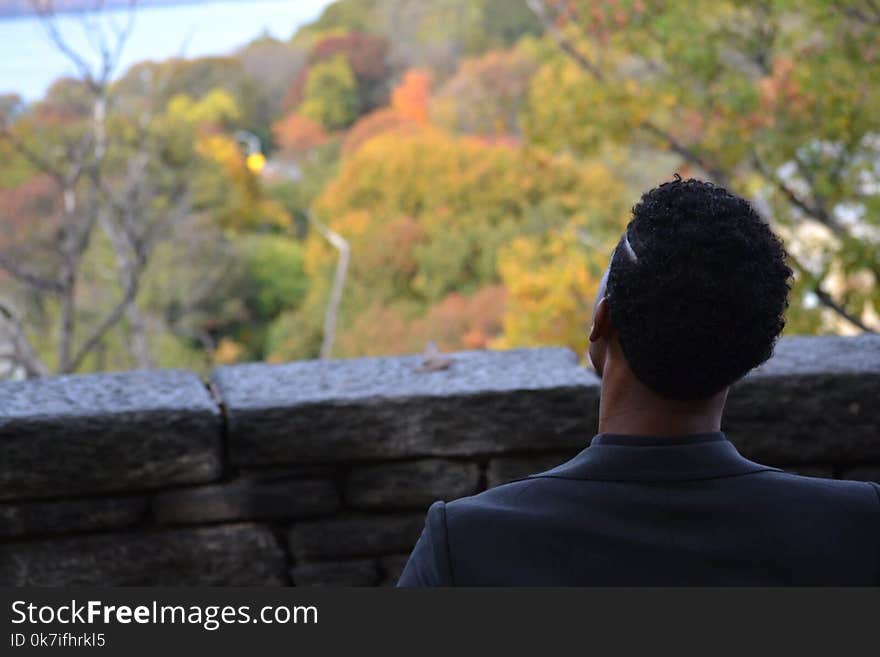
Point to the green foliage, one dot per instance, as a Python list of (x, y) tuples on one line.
[(331, 96), (340, 17), (366, 56), (217, 107), (15, 170), (153, 84), (277, 281), (297, 196)]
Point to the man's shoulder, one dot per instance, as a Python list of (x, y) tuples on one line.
[(530, 494), (501, 493), (524, 495), (866, 492), (796, 479)]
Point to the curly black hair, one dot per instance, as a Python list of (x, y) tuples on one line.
[(697, 289)]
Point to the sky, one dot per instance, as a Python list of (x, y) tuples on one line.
[(29, 63)]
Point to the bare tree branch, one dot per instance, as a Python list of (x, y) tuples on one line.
[(86, 192), (813, 211), (45, 9), (815, 285), (22, 351), (687, 154), (123, 34), (35, 159), (25, 276), (828, 301), (97, 334), (539, 9), (814, 208), (109, 54)]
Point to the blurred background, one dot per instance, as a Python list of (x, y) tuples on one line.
[(192, 183)]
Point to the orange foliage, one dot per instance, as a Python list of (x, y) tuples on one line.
[(297, 134), (781, 92), (378, 331), (457, 322), (409, 108), (372, 125), (228, 351), (410, 98), (501, 141), (460, 322)]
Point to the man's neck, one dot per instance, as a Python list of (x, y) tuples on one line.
[(628, 407)]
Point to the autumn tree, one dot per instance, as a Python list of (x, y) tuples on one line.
[(769, 98), (297, 135), (366, 56), (148, 86), (409, 108), (426, 215), (109, 188), (552, 275), (411, 97), (96, 187), (487, 94), (458, 321), (331, 96), (372, 125)]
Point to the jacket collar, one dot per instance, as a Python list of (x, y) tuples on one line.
[(613, 457)]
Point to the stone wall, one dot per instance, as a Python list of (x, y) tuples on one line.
[(317, 473)]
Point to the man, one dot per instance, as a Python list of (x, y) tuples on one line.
[(692, 300)]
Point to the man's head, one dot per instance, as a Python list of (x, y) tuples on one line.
[(695, 293)]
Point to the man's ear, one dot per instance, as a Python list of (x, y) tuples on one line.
[(601, 327)]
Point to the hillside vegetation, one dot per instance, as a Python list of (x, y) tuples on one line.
[(478, 157)]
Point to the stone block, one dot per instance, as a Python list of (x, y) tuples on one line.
[(387, 408), (247, 499), (355, 536), (125, 431), (816, 401), (355, 572), (227, 555), (410, 485), (66, 516)]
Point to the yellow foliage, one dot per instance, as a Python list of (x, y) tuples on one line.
[(216, 107), (221, 149), (228, 351), (551, 283), (427, 214), (247, 206)]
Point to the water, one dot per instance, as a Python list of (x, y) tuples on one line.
[(29, 62)]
